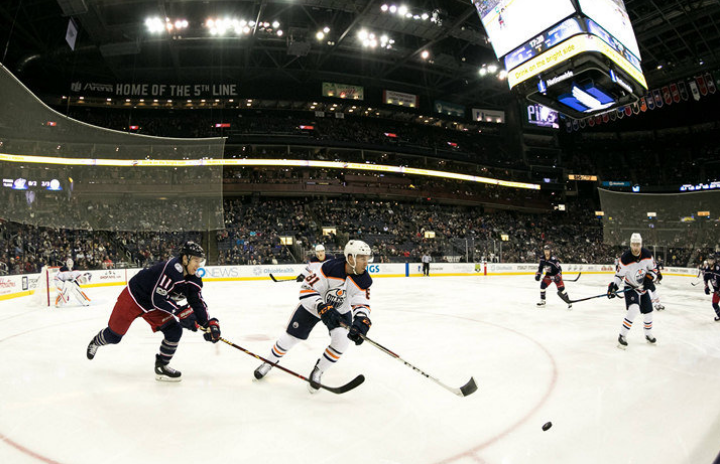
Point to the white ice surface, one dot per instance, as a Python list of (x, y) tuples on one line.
[(649, 404)]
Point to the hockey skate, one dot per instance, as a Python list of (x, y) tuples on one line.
[(315, 376), (569, 306), (717, 319), (659, 307), (165, 373), (262, 371), (541, 303), (650, 339), (622, 342), (92, 349)]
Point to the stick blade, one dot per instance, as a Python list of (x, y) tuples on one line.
[(469, 388), (357, 381)]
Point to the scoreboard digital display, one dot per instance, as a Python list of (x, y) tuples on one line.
[(612, 16), (510, 23)]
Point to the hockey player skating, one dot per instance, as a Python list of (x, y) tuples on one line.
[(169, 297), (550, 267), (711, 277), (339, 292), (637, 271), (68, 284)]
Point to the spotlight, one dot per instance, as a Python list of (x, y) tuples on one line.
[(425, 54)]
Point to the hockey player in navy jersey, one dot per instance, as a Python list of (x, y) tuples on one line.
[(550, 267), (168, 296), (338, 292), (637, 271), (711, 276)]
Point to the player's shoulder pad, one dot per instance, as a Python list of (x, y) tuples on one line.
[(364, 281), (314, 259), (645, 253), (334, 268), (174, 269)]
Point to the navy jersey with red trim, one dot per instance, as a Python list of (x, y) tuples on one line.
[(551, 267), (154, 287), (331, 284), (193, 286), (711, 275)]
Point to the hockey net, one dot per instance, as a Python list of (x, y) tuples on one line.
[(45, 290)]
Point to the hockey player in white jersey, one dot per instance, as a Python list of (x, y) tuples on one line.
[(337, 292), (637, 271), (68, 284)]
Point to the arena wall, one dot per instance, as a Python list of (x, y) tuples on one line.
[(15, 286)]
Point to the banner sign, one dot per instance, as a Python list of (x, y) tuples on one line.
[(351, 92), (155, 90), (482, 115), (451, 109), (391, 97)]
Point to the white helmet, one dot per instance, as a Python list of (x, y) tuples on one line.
[(357, 247), (319, 248), (635, 238), (69, 263)]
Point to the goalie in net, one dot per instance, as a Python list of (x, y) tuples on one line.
[(68, 284)]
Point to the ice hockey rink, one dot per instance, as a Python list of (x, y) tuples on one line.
[(648, 404)]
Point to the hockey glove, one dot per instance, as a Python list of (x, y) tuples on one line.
[(300, 278), (648, 283), (537, 277), (612, 288), (213, 335), (188, 319), (360, 326), (329, 315), (707, 290)]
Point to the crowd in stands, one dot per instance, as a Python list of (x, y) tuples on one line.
[(667, 157), (481, 146), (255, 228)]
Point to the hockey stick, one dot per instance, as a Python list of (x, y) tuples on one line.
[(468, 389), (566, 298), (576, 278), (337, 390), (294, 279)]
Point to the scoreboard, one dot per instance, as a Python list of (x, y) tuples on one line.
[(578, 57)]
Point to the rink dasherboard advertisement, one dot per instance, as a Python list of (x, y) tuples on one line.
[(23, 285)]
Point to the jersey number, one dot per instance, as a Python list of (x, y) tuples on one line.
[(312, 279)]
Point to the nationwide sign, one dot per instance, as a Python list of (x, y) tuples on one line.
[(155, 90)]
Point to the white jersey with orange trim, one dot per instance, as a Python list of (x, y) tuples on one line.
[(331, 284), (632, 269), (68, 276)]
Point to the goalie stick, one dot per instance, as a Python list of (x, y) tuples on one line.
[(294, 279), (468, 389), (566, 298), (337, 390)]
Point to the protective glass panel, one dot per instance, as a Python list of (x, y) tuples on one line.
[(95, 178), (679, 220)]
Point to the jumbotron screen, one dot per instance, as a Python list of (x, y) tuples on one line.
[(612, 16), (511, 23)]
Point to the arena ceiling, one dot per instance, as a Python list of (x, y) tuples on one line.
[(677, 38)]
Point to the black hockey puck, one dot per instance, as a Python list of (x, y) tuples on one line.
[(547, 426)]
